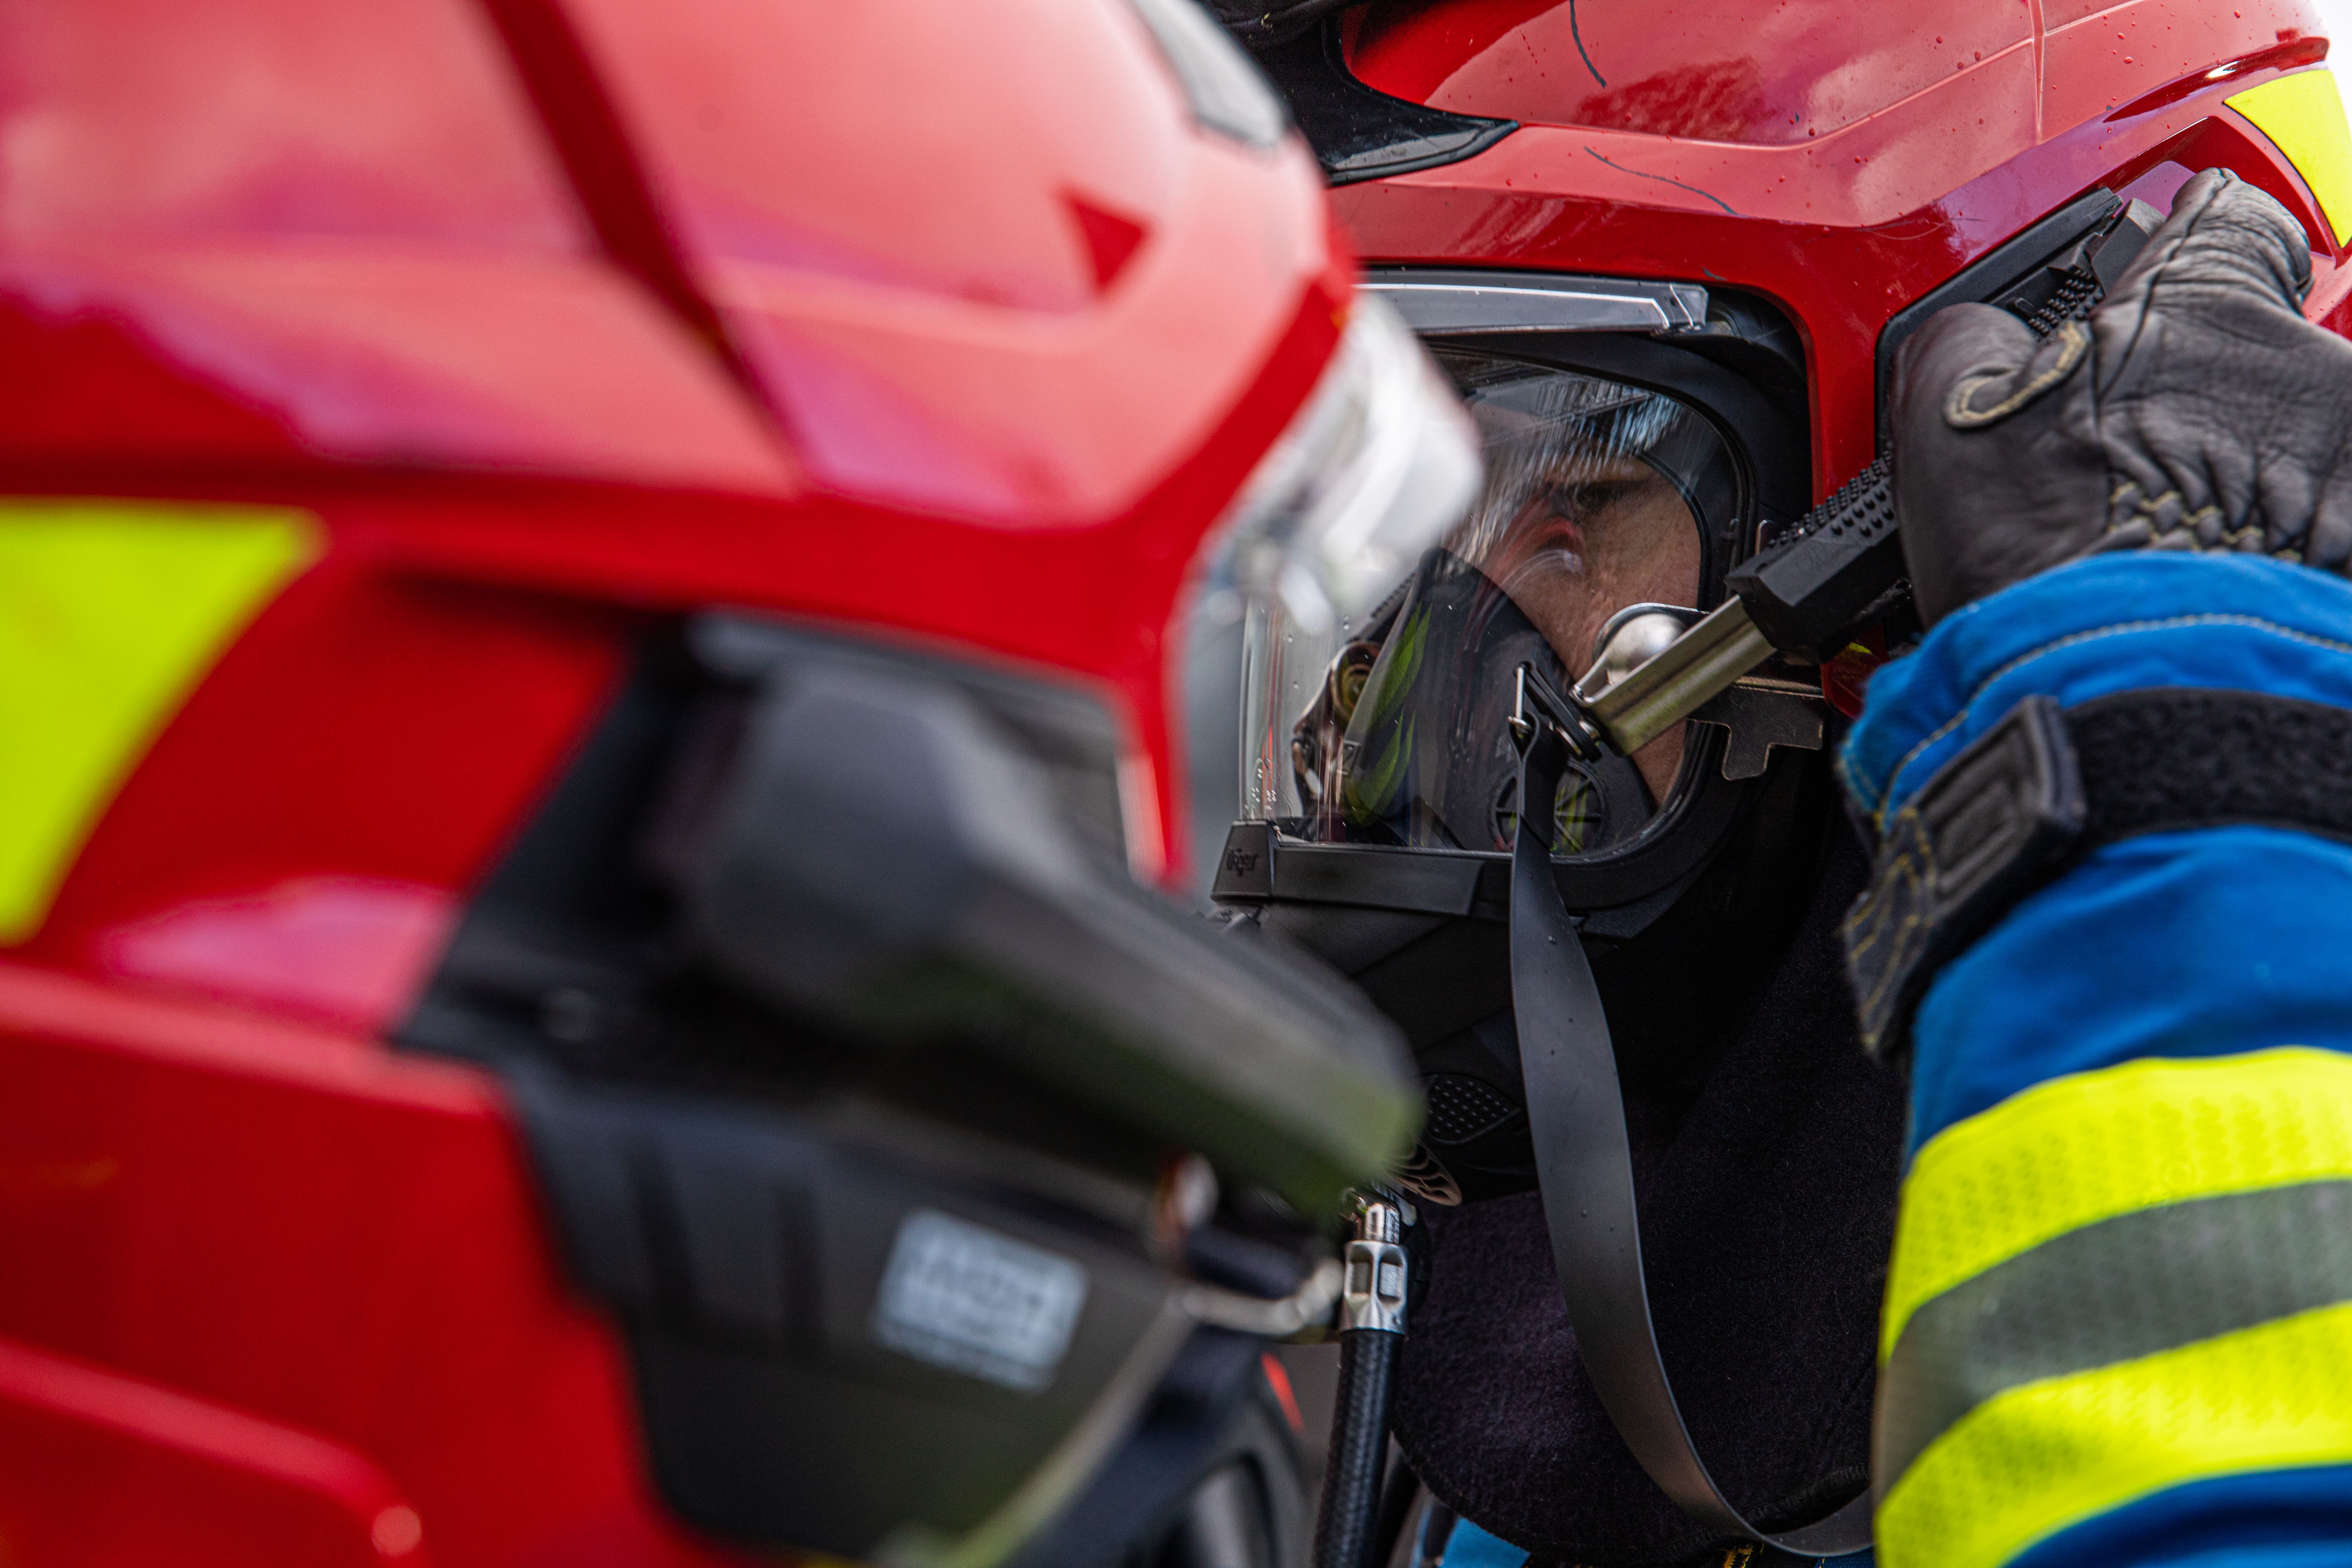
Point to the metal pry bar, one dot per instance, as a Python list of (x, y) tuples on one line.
[(1679, 679)]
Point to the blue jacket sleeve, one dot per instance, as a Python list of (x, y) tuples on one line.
[(2118, 1322)]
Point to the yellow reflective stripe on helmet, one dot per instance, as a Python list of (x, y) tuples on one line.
[(2303, 115), (2039, 1458), (110, 613), (2090, 1146)]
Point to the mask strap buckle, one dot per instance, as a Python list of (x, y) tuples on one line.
[(1536, 704)]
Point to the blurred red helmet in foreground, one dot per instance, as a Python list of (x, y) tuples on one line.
[(635, 546)]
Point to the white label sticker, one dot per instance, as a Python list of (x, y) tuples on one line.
[(974, 1302)]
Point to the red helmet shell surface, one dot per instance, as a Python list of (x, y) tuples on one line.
[(1839, 161), (657, 307), (378, 374)]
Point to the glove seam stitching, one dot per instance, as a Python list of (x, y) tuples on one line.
[(2148, 509), (1960, 416)]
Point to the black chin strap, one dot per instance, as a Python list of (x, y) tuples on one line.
[(1584, 1167)]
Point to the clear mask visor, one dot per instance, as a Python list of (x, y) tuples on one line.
[(1597, 498)]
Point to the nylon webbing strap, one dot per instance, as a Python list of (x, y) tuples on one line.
[(1584, 1168), (2045, 786)]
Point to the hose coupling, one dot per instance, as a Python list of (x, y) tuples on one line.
[(1372, 1289)]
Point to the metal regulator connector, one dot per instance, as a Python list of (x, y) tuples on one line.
[(1372, 1287)]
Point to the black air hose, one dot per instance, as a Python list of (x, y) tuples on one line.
[(1398, 1493), (1371, 1307)]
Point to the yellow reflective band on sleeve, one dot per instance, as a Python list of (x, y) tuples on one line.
[(2084, 1148), (110, 613), (2303, 115), (2039, 1458)]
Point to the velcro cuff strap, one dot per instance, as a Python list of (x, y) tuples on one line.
[(2047, 785)]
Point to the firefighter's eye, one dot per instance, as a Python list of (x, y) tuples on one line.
[(1582, 500)]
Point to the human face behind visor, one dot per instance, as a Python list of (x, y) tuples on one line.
[(1597, 497), (1583, 511)]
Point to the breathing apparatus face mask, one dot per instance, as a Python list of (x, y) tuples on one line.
[(1562, 932), (1595, 501), (1623, 473)]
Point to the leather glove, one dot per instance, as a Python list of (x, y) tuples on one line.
[(2195, 410)]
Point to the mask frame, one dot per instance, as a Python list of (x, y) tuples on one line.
[(1738, 366)]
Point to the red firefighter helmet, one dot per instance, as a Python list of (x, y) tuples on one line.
[(631, 549), (1669, 288), (1666, 253)]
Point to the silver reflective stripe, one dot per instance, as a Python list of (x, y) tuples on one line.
[(2112, 1292), (1445, 301)]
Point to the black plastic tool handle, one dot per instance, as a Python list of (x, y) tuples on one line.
[(1845, 554)]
